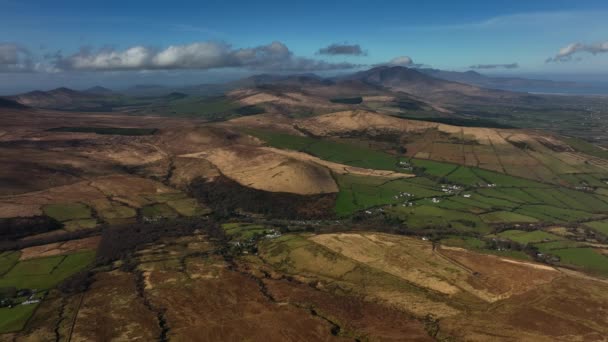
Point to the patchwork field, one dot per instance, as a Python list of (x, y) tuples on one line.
[(419, 278)]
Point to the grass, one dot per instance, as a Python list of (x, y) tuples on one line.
[(524, 237), (502, 180), (159, 210), (107, 130), (187, 207), (118, 212), (343, 153), (67, 211), (14, 319), (75, 225), (464, 175), (587, 148), (245, 231), (361, 192), (585, 258), (166, 197), (428, 216), (33, 267), (8, 260), (507, 216), (434, 168), (548, 247), (598, 226), (47, 272), (553, 214), (464, 242)]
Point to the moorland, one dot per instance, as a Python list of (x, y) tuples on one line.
[(383, 205)]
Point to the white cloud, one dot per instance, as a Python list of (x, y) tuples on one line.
[(566, 53), (401, 61), (201, 56)]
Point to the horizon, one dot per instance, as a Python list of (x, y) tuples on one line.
[(114, 45)]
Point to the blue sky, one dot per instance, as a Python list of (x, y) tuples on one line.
[(452, 35)]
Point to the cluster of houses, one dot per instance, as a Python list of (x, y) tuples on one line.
[(273, 234), (450, 188), (403, 195), (371, 211), (13, 297), (405, 165)]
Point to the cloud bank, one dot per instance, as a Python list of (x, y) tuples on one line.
[(567, 53), (342, 49), (403, 61), (495, 66), (200, 56), (15, 58)]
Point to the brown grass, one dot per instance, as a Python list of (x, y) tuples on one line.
[(59, 248)]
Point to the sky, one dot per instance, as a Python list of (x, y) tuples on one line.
[(46, 44)]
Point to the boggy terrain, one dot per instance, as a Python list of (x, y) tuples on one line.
[(342, 224)]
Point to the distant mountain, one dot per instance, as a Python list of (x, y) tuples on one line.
[(149, 90), (503, 83), (60, 98), (419, 84), (286, 80), (98, 90)]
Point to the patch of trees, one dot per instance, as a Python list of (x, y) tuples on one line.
[(227, 197), (13, 244), (409, 105), (348, 100), (250, 110), (522, 145), (119, 242), (18, 227)]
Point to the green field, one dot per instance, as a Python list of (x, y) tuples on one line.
[(156, 211), (67, 211), (245, 231), (427, 216), (187, 207), (47, 272), (464, 175), (585, 258), (343, 153), (524, 237), (361, 192), (598, 226), (15, 318), (38, 274), (433, 168), (75, 225), (506, 216), (8, 260), (548, 247), (585, 147), (464, 242)]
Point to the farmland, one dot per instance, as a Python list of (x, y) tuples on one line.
[(30, 279)]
